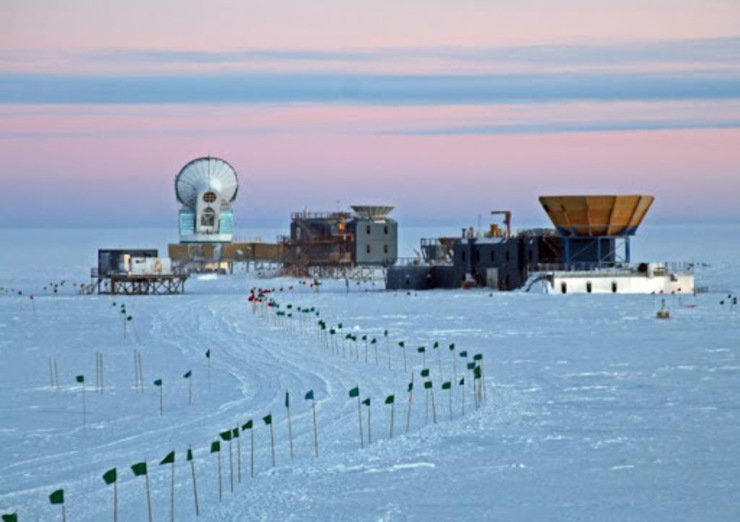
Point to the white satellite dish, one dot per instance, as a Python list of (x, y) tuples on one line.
[(204, 174)]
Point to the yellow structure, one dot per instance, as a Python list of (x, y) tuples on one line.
[(599, 215)]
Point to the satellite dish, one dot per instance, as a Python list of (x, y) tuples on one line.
[(206, 174)]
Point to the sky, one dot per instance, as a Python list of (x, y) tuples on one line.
[(446, 109)]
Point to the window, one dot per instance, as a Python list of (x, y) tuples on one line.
[(614, 287), (462, 255), (208, 218), (507, 256), (367, 249), (209, 197), (385, 230), (493, 256), (368, 229), (589, 287), (385, 249), (563, 287)]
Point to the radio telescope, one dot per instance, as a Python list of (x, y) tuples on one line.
[(206, 187)]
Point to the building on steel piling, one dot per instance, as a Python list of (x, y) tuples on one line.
[(588, 251)]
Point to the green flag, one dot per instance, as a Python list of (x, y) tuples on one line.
[(309, 395), (169, 459), (477, 357), (287, 400), (188, 375), (247, 425), (190, 455), (471, 365), (366, 402), (477, 373), (464, 353), (462, 382), (428, 385), (374, 341), (452, 346), (339, 326), (411, 387), (364, 337), (425, 372), (57, 497), (436, 344), (158, 382), (390, 399), (110, 476), (215, 446), (446, 385), (421, 349), (139, 469), (267, 419), (10, 517), (235, 433), (354, 392), (226, 435), (208, 353), (401, 344), (348, 336), (385, 333), (80, 379)]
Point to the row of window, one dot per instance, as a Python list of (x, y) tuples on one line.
[(370, 230), (386, 249), (589, 287), (507, 256)]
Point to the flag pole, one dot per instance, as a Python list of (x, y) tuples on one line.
[(290, 424), (450, 396), (251, 453), (434, 409), (359, 416), (115, 501), (195, 484), (84, 407), (56, 373), (393, 406), (172, 495), (369, 424), (463, 397), (220, 487), (272, 443), (148, 496), (102, 378), (51, 375), (64, 514), (136, 372), (315, 429), (231, 468), (238, 455), (411, 400)]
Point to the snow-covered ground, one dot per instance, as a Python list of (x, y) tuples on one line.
[(595, 410)]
